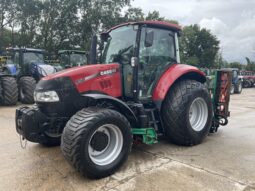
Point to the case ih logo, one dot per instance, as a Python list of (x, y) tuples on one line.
[(102, 73), (107, 72)]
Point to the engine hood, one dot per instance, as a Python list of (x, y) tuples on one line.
[(103, 78), (79, 72)]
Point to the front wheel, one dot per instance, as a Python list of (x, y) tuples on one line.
[(96, 141), (187, 113), (26, 89)]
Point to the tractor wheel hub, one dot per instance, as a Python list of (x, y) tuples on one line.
[(99, 141)]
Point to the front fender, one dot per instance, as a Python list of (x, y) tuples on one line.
[(120, 106), (171, 75)]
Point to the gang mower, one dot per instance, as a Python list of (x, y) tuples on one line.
[(133, 91)]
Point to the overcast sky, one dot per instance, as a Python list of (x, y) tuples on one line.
[(232, 21)]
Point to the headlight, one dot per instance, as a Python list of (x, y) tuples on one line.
[(49, 96)]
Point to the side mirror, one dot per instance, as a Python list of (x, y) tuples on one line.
[(149, 37)]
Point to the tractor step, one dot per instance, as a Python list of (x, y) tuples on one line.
[(149, 135)]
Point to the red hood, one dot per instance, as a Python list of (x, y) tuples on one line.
[(103, 78), (81, 71)]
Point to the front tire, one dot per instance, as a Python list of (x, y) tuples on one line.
[(96, 141), (9, 91), (187, 113), (26, 89)]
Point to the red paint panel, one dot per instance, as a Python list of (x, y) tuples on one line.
[(91, 77), (164, 24), (169, 77)]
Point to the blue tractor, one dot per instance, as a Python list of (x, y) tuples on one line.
[(237, 81), (28, 66)]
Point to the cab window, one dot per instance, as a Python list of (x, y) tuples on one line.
[(154, 59)]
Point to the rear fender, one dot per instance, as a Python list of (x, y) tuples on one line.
[(173, 74), (119, 105)]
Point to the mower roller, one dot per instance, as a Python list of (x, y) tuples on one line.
[(133, 91)]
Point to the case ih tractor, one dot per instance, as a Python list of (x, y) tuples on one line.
[(134, 91), (28, 66)]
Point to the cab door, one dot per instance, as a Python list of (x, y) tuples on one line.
[(156, 53)]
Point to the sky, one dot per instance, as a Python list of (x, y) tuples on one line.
[(232, 21)]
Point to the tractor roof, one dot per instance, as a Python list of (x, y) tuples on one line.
[(26, 50), (71, 52), (158, 24)]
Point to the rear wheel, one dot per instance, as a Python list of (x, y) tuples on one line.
[(96, 141), (9, 91), (238, 87), (26, 89), (187, 113), (246, 84)]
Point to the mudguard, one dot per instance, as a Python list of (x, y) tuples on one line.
[(119, 105), (11, 68), (171, 75)]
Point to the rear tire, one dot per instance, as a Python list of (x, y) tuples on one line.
[(26, 89), (246, 84), (9, 91), (187, 113), (96, 141), (238, 87)]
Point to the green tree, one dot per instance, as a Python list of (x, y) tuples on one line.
[(154, 15), (250, 65), (198, 45)]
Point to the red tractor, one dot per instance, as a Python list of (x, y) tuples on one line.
[(133, 91)]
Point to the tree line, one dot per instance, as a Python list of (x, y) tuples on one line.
[(62, 24)]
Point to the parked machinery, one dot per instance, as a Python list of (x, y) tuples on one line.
[(8, 85), (28, 66), (72, 58), (237, 80), (248, 79), (134, 90)]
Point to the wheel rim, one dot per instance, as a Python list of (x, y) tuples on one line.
[(198, 114), (105, 144)]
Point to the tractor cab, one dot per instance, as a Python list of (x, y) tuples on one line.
[(144, 51), (72, 58)]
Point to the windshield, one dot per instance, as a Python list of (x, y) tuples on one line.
[(73, 59), (36, 57), (119, 46), (78, 59)]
